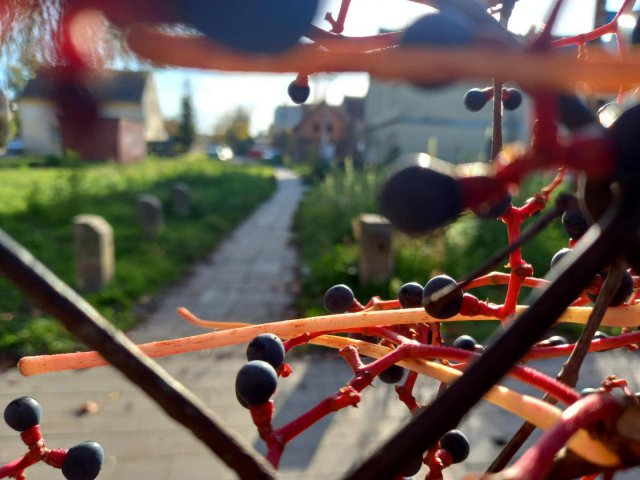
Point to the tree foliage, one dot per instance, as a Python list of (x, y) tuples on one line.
[(186, 128), (233, 130)]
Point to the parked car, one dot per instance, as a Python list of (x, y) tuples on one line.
[(220, 152), (264, 153), (15, 147)]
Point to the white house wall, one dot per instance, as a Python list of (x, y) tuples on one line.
[(406, 119), (39, 128), (154, 124)]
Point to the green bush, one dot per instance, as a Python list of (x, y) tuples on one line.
[(37, 205)]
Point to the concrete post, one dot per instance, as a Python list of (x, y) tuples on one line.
[(375, 236), (181, 197), (150, 217), (94, 252)]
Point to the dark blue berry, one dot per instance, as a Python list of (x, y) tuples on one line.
[(410, 295), (418, 198), (559, 255), (298, 93), (622, 293), (445, 28), (573, 113), (475, 99), (437, 302), (264, 26), (495, 210), (338, 299), (393, 374), (23, 413), (626, 144), (457, 444), (635, 34), (465, 342), (83, 461), (600, 335), (256, 382), (624, 290), (266, 347), (556, 340), (513, 99), (241, 400), (575, 223)]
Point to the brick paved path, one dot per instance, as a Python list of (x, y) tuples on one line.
[(250, 277)]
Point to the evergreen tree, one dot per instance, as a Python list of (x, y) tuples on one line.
[(186, 129)]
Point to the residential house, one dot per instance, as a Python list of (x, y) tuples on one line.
[(128, 117), (286, 117), (331, 131), (402, 118)]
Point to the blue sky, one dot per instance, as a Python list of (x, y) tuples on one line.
[(216, 93)]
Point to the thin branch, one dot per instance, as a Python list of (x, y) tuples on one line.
[(496, 138), (539, 225)]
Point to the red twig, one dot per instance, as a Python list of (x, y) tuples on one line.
[(544, 39), (609, 28), (38, 451), (405, 392), (610, 343), (337, 26)]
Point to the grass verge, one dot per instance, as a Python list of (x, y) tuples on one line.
[(37, 206)]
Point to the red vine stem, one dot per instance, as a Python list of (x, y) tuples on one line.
[(337, 26), (611, 27), (349, 395), (38, 451)]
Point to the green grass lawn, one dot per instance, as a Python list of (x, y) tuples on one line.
[(37, 206)]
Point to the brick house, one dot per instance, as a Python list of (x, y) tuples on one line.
[(343, 125), (129, 117)]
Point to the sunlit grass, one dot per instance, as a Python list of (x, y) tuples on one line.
[(37, 206)]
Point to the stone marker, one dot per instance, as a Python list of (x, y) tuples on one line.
[(181, 199), (150, 217), (94, 252), (375, 236)]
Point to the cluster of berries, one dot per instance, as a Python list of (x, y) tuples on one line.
[(576, 224), (80, 462), (476, 98)]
